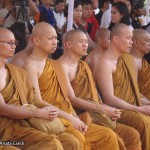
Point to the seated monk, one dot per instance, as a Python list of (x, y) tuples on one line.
[(101, 44), (116, 79), (140, 47), (15, 91), (50, 84), (83, 93)]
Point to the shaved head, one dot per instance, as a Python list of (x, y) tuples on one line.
[(5, 34), (139, 34), (41, 28), (102, 32), (70, 35), (119, 30)]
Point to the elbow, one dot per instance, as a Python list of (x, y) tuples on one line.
[(73, 101), (108, 100)]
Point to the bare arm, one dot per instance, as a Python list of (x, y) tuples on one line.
[(144, 100), (87, 105), (103, 75), (33, 8), (30, 67), (16, 112)]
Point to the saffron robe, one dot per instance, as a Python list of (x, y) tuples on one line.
[(84, 87), (53, 89), (126, 87), (144, 79), (17, 92)]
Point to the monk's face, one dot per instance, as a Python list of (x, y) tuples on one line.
[(7, 44), (48, 41), (124, 41), (79, 44), (144, 44)]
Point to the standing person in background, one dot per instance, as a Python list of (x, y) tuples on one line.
[(88, 20), (8, 5), (120, 14), (77, 13), (46, 13), (59, 14), (137, 12), (103, 6)]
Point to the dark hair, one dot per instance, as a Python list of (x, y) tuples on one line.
[(59, 1), (123, 9), (76, 4), (101, 3), (138, 5), (86, 2), (19, 31)]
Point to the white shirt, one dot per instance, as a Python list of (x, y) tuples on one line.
[(106, 18), (60, 19), (10, 20)]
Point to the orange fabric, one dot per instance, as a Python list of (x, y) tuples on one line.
[(126, 88), (50, 87), (144, 79)]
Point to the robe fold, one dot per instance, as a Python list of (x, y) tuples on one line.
[(53, 88), (144, 79), (19, 130), (84, 87), (17, 92), (126, 87)]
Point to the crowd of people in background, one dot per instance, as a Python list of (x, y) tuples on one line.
[(83, 89), (88, 15)]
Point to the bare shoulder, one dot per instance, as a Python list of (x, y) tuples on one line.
[(103, 63), (30, 64), (18, 59), (65, 65)]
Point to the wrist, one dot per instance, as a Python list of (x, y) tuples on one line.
[(100, 108)]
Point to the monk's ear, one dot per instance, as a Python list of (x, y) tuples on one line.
[(35, 40), (68, 44), (115, 39), (136, 43), (99, 40)]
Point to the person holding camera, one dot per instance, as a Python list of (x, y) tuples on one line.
[(10, 15)]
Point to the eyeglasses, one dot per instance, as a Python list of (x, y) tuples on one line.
[(9, 42)]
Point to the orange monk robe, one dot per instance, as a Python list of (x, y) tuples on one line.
[(17, 91), (144, 79), (8, 148), (53, 89), (84, 87), (126, 87), (19, 130)]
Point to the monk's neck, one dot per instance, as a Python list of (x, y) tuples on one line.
[(113, 53), (39, 55), (2, 63), (71, 59), (99, 49), (136, 53)]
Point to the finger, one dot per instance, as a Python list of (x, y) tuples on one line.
[(80, 129), (53, 115)]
